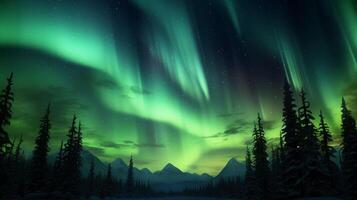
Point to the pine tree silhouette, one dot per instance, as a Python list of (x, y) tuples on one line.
[(327, 150), (327, 154), (250, 182), (14, 168), (130, 178), (6, 100), (72, 159), (261, 162), (349, 151), (291, 158), (313, 176), (57, 174), (39, 166)]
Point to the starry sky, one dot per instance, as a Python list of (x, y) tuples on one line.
[(175, 81)]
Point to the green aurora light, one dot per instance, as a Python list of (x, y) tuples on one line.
[(173, 81)]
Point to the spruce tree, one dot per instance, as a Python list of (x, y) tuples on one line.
[(130, 178), (313, 176), (250, 184), (291, 159), (57, 172), (39, 167), (261, 162), (6, 101), (327, 151), (14, 168), (72, 159), (349, 151), (327, 155)]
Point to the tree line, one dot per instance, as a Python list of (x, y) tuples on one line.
[(37, 178), (301, 164)]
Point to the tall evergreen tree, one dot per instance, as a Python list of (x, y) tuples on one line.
[(14, 168), (79, 145), (327, 151), (57, 174), (327, 154), (349, 151), (72, 159), (313, 177), (261, 162), (130, 178), (250, 183), (39, 166), (292, 158), (6, 101)]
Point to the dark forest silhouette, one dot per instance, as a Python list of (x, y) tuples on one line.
[(300, 165), (37, 179)]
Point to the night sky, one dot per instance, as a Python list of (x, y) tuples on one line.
[(177, 81)]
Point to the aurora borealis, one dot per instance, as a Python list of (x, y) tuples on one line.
[(175, 81)]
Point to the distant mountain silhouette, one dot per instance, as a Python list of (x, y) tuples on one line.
[(87, 157), (232, 169), (119, 164), (169, 169), (169, 178)]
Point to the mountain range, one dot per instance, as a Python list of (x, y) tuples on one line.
[(169, 178)]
